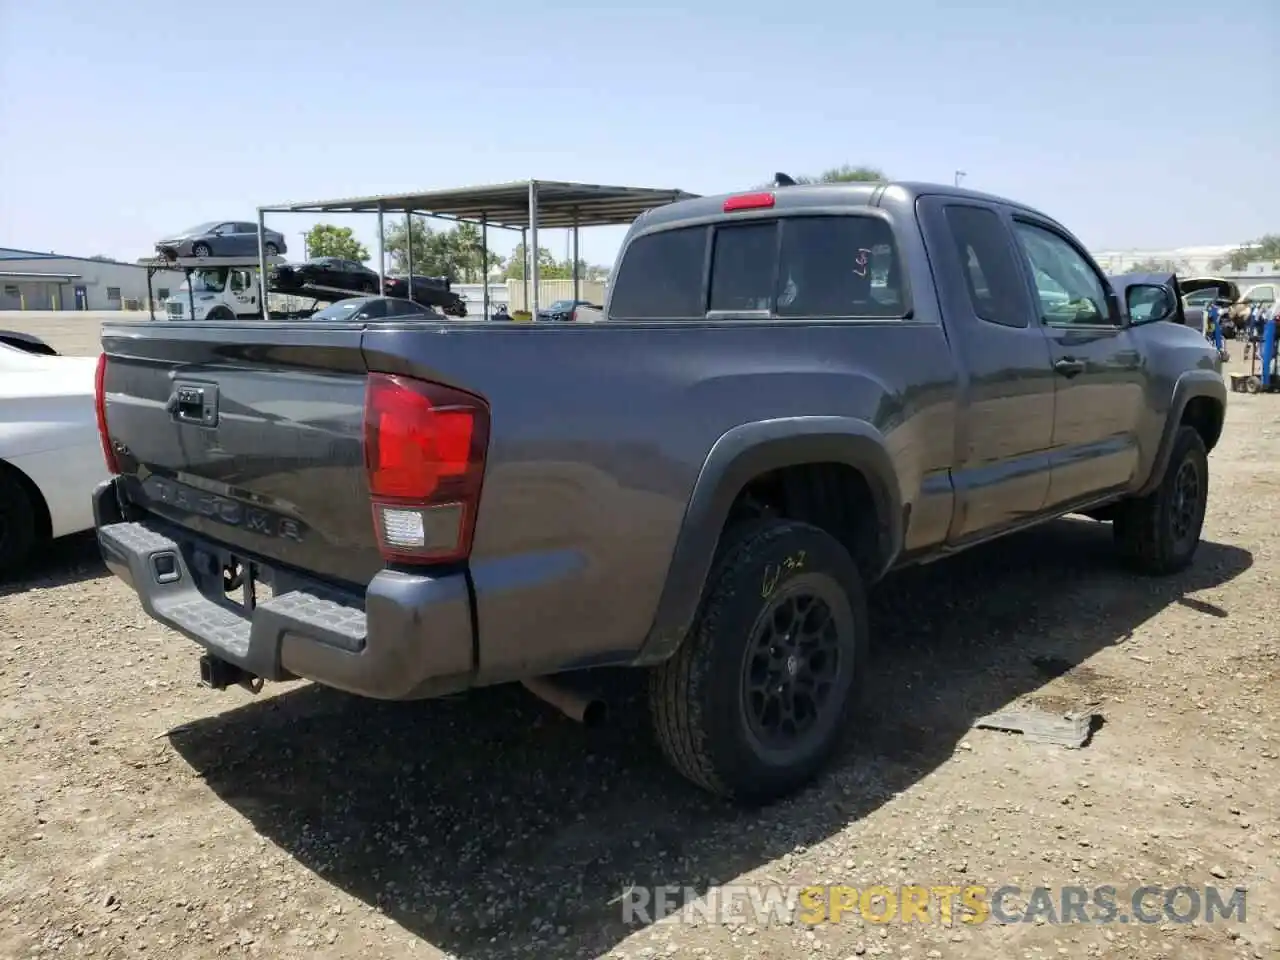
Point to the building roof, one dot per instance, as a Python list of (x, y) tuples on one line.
[(30, 275), (14, 253), (560, 204)]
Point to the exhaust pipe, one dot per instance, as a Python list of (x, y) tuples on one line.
[(587, 710)]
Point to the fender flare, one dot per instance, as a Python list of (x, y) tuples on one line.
[(1189, 386), (739, 456)]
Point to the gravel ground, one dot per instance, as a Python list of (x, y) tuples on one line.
[(143, 816)]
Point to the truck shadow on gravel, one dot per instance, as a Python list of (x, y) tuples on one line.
[(490, 827), (70, 559)]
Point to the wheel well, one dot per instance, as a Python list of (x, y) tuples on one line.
[(1204, 414), (44, 523), (832, 496)]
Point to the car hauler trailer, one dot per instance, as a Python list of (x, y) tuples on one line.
[(232, 288)]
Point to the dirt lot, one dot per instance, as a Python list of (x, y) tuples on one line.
[(142, 816)]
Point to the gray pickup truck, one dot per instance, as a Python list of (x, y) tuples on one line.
[(790, 394)]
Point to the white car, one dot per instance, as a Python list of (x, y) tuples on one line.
[(50, 454)]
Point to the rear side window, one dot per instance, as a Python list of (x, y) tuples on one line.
[(660, 277), (996, 288), (839, 266)]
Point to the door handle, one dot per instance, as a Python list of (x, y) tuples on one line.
[(1069, 366)]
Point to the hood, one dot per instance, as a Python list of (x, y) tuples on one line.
[(1225, 288)]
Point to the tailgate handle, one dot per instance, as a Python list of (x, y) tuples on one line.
[(194, 403)]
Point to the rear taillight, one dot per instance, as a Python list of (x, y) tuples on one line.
[(100, 407), (424, 449)]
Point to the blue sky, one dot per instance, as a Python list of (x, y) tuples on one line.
[(121, 122)]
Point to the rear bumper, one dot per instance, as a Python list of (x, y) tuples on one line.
[(409, 636)]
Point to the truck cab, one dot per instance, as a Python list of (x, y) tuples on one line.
[(216, 293)]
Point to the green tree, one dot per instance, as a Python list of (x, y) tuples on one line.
[(326, 240), (455, 253), (548, 267), (846, 173), (1264, 248)]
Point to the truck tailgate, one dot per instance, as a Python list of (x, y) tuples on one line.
[(253, 441)]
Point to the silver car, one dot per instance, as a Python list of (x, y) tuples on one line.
[(221, 238)]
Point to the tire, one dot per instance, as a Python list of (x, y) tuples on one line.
[(200, 250), (1158, 534), (271, 250), (19, 533), (707, 724), (220, 314)]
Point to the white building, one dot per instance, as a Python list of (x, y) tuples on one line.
[(1185, 261), (30, 280)]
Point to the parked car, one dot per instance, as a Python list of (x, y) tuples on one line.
[(222, 238), (51, 456), (433, 291), (1260, 294), (28, 343), (1200, 292), (563, 310), (332, 272), (357, 309), (702, 485)]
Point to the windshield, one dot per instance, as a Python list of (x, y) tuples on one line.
[(207, 281), (560, 305), (199, 228), (342, 310)]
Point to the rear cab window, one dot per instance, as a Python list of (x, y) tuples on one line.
[(797, 266)]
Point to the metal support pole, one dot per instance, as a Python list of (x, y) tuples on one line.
[(533, 240), (262, 267), (191, 293), (524, 266), (484, 260), (576, 294), (408, 247), (382, 255)]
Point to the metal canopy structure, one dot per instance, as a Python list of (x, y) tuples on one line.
[(525, 205), (513, 206)]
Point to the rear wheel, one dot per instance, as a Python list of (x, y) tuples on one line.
[(755, 700), (1159, 533), (200, 250), (19, 532), (271, 250)]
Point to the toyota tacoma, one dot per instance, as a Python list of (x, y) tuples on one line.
[(789, 394)]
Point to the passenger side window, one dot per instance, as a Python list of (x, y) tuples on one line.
[(660, 277), (742, 266), (239, 280), (996, 287), (1076, 295), (839, 266)]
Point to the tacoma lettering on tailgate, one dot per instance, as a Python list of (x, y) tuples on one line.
[(223, 509)]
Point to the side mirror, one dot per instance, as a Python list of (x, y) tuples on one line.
[(1149, 303)]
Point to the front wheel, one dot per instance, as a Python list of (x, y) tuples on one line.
[(1159, 533), (271, 250), (755, 700), (220, 315), (200, 250)]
